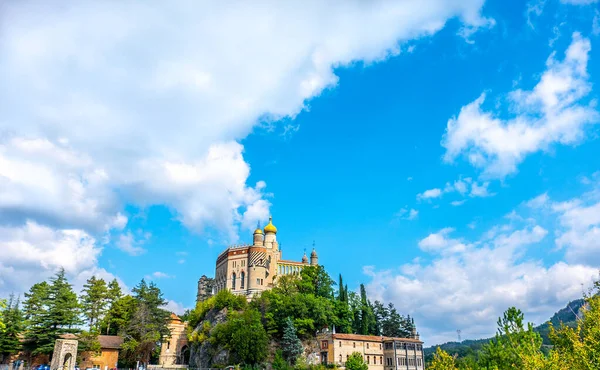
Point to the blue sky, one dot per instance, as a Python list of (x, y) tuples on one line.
[(445, 155)]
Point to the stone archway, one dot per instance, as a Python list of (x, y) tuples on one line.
[(184, 358), (64, 355)]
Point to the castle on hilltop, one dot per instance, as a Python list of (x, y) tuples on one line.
[(250, 269)]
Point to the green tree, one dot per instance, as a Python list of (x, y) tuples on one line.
[(244, 336), (279, 362), (2, 306), (579, 348), (94, 301), (441, 361), (147, 326), (118, 316), (14, 324), (51, 310), (315, 280), (516, 346), (356, 362), (291, 345), (114, 292)]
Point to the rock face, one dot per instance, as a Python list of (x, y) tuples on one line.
[(204, 355)]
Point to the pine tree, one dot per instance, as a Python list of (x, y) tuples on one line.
[(380, 313), (36, 310), (94, 301), (114, 292), (14, 324), (52, 310), (290, 344), (148, 323)]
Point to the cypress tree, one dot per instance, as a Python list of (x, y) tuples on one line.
[(291, 345)]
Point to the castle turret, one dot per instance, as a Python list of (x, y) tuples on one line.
[(270, 234), (314, 259), (258, 236), (304, 258)]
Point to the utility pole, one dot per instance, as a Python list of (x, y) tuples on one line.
[(458, 332)]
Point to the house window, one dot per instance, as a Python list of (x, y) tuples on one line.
[(367, 345), (354, 344), (368, 360), (340, 358), (340, 342), (233, 281), (242, 278), (324, 344), (380, 360)]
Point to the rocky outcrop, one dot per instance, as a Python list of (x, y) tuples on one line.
[(202, 353)]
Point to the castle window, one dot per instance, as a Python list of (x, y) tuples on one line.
[(233, 281), (367, 345), (242, 278), (340, 343), (257, 281), (380, 360), (168, 345), (340, 358), (354, 344), (261, 281), (368, 360), (379, 345)]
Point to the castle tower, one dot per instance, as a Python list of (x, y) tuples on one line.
[(304, 258), (314, 259)]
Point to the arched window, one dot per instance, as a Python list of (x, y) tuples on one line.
[(368, 360), (340, 358), (233, 281), (242, 279)]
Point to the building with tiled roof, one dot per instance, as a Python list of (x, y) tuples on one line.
[(379, 352)]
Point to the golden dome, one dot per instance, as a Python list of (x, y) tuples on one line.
[(258, 231), (270, 228)]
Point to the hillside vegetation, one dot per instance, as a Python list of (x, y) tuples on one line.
[(226, 329)]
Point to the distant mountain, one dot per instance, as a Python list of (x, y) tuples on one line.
[(567, 316)]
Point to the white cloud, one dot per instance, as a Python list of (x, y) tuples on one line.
[(554, 112), (456, 203), (439, 242), (580, 233), (430, 194), (409, 178), (480, 190), (32, 252), (471, 287), (460, 186), (131, 245), (539, 201), (159, 275), (175, 307), (407, 214)]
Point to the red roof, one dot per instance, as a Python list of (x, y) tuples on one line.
[(372, 338)]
